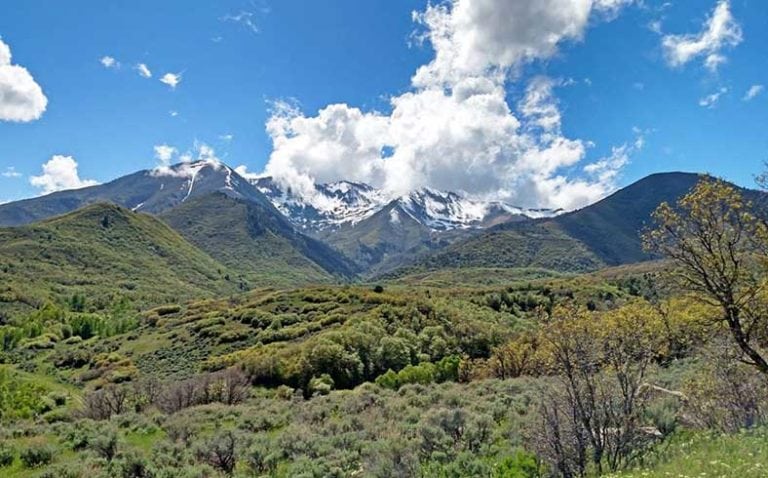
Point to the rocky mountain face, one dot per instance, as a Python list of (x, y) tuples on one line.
[(344, 203), (380, 232)]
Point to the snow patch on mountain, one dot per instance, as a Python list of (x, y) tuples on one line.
[(346, 203)]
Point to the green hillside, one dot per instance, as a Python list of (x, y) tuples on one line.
[(530, 244), (607, 233), (611, 228), (256, 242), (103, 251)]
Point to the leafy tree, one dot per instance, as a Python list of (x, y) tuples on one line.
[(595, 413), (719, 246)]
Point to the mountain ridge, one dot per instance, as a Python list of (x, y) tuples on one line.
[(264, 233), (346, 203), (605, 233), (261, 246)]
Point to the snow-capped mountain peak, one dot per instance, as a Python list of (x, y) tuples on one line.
[(331, 206), (343, 203)]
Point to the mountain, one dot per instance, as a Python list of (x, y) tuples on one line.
[(104, 250), (256, 241), (606, 233), (611, 228), (215, 209), (262, 234), (151, 191), (332, 205), (335, 205), (381, 233), (386, 240), (420, 222)]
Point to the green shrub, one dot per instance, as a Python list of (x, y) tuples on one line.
[(134, 465), (321, 385), (105, 444), (59, 415), (520, 465), (36, 455), (62, 472), (7, 455), (388, 380)]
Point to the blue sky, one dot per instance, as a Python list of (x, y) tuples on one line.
[(614, 85)]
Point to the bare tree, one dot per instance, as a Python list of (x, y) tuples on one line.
[(106, 402)]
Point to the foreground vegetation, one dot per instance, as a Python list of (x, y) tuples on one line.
[(621, 373)]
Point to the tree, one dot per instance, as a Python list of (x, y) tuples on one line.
[(719, 247), (106, 402), (596, 411)]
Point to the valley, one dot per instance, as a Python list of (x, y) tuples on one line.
[(215, 326)]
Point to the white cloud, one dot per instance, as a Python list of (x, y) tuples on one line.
[(143, 70), (5, 54), (164, 154), (244, 18), (109, 62), (21, 98), (540, 105), (188, 161), (454, 130), (171, 79), (173, 113), (471, 37), (227, 137), (710, 101), (60, 173), (719, 31), (10, 172), (242, 170), (753, 92)]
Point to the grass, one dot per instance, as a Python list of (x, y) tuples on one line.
[(707, 454), (103, 251)]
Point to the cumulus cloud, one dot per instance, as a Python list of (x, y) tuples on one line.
[(21, 98), (471, 37), (455, 130), (171, 79), (60, 173), (711, 100), (753, 92), (143, 70), (242, 170), (540, 105), (718, 32)]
